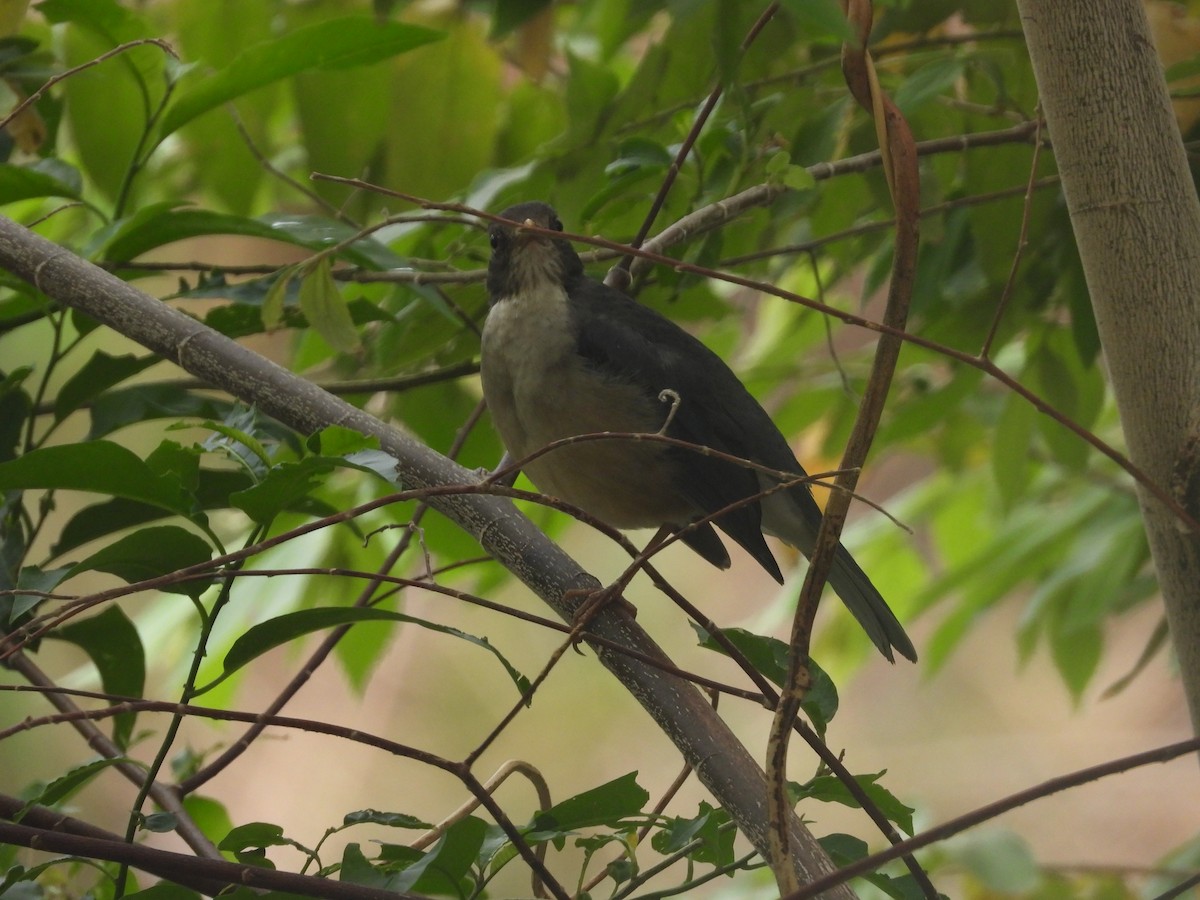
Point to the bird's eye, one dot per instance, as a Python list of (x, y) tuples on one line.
[(555, 224), (494, 239)]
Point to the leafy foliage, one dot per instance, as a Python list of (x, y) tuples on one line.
[(169, 168)]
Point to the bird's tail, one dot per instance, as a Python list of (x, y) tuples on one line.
[(795, 517), (868, 606)]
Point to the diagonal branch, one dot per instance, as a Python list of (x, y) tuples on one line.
[(722, 764)]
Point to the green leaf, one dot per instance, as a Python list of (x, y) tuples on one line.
[(284, 486), (357, 869), (112, 643), (44, 178), (158, 224), (1011, 449), (275, 632), (100, 519), (100, 467), (106, 17), (160, 823), (455, 91), (236, 441), (639, 153), (274, 301), (928, 83), (32, 578), (325, 308), (339, 441), (96, 376), (591, 89), (65, 786), (107, 106), (999, 858), (119, 408), (716, 841), (391, 820), (821, 20), (508, 15), (1076, 651), (15, 408), (769, 656), (150, 553), (448, 863), (252, 836), (830, 789), (209, 814), (334, 44), (604, 805)]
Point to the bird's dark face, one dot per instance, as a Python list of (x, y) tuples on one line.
[(523, 262)]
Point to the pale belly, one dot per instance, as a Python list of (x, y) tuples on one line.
[(540, 397)]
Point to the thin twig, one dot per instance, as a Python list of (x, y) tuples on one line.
[(982, 814), (75, 70), (985, 351)]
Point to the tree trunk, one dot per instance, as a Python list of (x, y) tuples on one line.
[(1136, 218)]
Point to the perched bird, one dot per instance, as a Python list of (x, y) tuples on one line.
[(565, 355)]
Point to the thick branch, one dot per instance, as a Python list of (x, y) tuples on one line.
[(723, 765)]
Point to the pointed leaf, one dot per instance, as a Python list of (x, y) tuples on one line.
[(769, 656), (447, 863), (829, 789), (112, 643), (618, 799), (273, 302), (45, 178), (333, 44), (278, 631), (149, 553), (101, 467), (325, 308), (65, 786), (391, 820)]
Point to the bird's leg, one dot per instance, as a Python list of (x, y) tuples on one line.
[(594, 601)]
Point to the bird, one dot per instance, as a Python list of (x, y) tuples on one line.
[(564, 355)]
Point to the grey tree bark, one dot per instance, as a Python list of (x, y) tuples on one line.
[(719, 760), (1136, 218)]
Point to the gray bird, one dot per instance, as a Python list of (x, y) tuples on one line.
[(565, 355)]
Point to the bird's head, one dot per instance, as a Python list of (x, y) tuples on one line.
[(524, 261)]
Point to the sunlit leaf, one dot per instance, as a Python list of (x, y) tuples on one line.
[(335, 44)]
